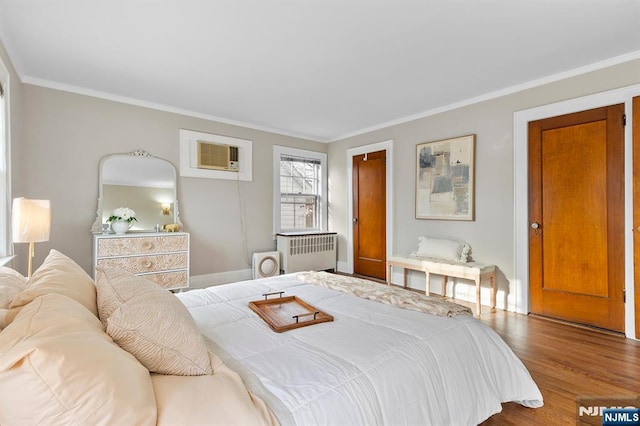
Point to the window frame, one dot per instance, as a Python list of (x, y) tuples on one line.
[(5, 164), (278, 152)]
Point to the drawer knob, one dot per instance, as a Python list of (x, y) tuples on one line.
[(147, 264), (147, 245)]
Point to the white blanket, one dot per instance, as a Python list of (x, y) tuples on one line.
[(375, 364)]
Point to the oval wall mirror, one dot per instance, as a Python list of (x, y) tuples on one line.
[(141, 182)]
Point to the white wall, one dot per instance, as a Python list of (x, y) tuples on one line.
[(491, 235)]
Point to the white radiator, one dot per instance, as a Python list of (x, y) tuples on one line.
[(307, 252)]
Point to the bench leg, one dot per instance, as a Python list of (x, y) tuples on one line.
[(428, 280), (492, 281), (444, 285), (389, 272)]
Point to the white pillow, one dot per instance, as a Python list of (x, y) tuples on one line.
[(3, 318), (455, 251), (151, 324), (57, 366), (217, 399), (59, 274), (11, 283)]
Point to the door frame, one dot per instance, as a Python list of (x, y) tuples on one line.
[(359, 150), (521, 120)]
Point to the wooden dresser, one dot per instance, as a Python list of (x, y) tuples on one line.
[(159, 257)]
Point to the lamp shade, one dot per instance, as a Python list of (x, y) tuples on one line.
[(31, 220)]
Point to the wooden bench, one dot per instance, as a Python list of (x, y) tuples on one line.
[(471, 271)]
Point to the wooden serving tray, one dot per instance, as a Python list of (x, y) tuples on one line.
[(287, 313)]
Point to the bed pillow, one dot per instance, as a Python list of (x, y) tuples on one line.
[(57, 366), (4, 319), (59, 274), (152, 324), (12, 282), (455, 251), (218, 399)]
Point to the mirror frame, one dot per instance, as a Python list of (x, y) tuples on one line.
[(96, 228)]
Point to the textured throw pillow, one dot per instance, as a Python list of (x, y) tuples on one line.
[(456, 251), (151, 324), (11, 283), (59, 274), (58, 366), (115, 287)]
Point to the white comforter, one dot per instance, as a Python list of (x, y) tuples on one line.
[(374, 364)]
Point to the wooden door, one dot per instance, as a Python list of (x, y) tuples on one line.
[(576, 213), (636, 208), (369, 214)]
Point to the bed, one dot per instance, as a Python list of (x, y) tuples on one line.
[(381, 361), (122, 350)]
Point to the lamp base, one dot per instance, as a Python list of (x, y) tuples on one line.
[(32, 252)]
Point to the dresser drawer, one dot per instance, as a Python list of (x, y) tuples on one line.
[(169, 280), (142, 245), (143, 264)]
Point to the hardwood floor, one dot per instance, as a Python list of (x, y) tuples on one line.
[(565, 361)]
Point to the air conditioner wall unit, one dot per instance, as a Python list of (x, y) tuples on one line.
[(215, 156), (265, 264)]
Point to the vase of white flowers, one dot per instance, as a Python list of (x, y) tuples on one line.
[(122, 219)]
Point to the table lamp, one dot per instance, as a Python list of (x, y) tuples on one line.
[(31, 220)]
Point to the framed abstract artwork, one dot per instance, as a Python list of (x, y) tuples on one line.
[(445, 179)]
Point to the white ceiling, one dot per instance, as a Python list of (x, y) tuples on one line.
[(320, 69)]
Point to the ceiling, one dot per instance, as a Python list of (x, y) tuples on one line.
[(317, 69)]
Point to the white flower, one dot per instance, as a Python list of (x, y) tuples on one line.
[(122, 213)]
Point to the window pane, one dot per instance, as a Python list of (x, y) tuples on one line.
[(286, 184), (299, 189), (298, 213)]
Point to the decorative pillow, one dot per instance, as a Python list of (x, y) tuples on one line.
[(11, 283), (57, 366), (151, 324), (116, 287), (59, 274), (456, 251)]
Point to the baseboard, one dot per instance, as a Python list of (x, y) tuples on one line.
[(343, 267), (208, 280)]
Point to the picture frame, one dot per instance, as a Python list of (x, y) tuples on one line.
[(445, 182)]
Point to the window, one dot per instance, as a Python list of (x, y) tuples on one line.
[(300, 190)]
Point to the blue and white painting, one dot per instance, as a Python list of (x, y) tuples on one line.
[(444, 179)]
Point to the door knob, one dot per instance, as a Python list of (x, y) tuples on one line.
[(355, 220), (535, 226)]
